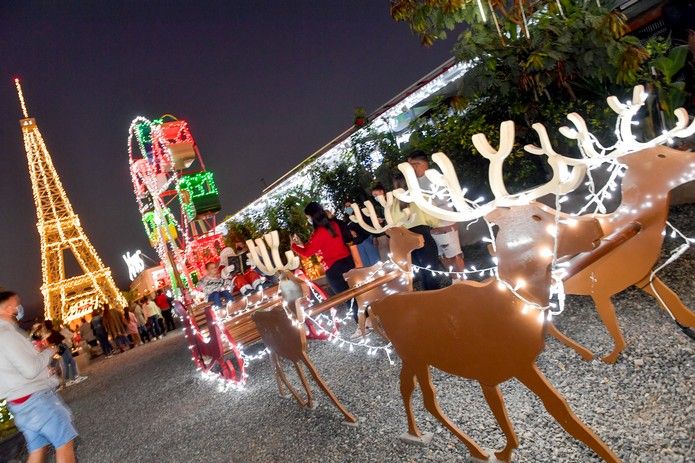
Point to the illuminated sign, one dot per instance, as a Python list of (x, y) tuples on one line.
[(135, 263)]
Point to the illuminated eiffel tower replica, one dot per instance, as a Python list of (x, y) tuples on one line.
[(59, 230)]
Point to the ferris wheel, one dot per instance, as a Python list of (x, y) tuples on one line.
[(176, 196)]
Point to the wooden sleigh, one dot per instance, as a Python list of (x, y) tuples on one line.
[(214, 342)]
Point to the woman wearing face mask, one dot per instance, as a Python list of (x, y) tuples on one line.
[(326, 240), (38, 411), (364, 241)]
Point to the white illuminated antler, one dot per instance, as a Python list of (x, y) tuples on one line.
[(376, 227), (562, 181), (496, 157), (627, 141), (261, 259)]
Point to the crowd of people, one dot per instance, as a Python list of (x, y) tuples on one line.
[(332, 237), (113, 331)]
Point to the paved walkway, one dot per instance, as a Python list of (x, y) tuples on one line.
[(149, 405)]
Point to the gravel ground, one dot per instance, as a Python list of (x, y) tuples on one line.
[(150, 405)]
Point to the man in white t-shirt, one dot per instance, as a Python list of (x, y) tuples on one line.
[(26, 383), (446, 235)]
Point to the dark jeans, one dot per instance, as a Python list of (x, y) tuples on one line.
[(169, 319), (122, 341), (334, 275), (103, 340), (216, 297), (69, 367), (154, 326), (368, 252), (144, 333), (429, 255)]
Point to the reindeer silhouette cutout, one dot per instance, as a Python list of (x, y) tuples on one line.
[(651, 175), (481, 331), (653, 171), (282, 332)]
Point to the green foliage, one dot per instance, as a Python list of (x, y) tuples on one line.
[(662, 69), (285, 214), (371, 144), (582, 52), (240, 230), (572, 58), (431, 19), (347, 180), (7, 427)]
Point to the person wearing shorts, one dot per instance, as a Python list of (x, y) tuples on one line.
[(446, 234), (448, 244), (25, 381)]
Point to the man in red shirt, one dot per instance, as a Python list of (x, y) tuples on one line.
[(164, 305)]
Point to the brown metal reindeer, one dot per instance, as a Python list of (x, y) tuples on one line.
[(477, 330), (652, 173), (282, 332)]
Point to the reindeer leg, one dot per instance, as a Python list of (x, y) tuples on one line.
[(278, 379), (309, 397), (557, 406), (669, 301), (407, 388), (283, 378), (429, 396), (569, 342), (494, 399), (606, 311), (349, 417)]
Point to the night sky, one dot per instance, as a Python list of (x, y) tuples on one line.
[(262, 83)]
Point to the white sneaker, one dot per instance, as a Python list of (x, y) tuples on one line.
[(357, 334), (79, 379), (69, 383)]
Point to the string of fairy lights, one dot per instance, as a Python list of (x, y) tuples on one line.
[(600, 195)]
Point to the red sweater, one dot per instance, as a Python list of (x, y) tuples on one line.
[(331, 248)]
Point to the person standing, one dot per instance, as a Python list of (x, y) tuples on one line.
[(427, 256), (369, 254), (381, 239), (39, 413), (151, 312), (63, 346), (131, 323), (87, 335), (102, 336), (142, 322), (113, 322), (164, 305), (328, 241), (445, 234)]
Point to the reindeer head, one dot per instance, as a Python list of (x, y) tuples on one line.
[(656, 171), (377, 226), (403, 242), (525, 244)]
